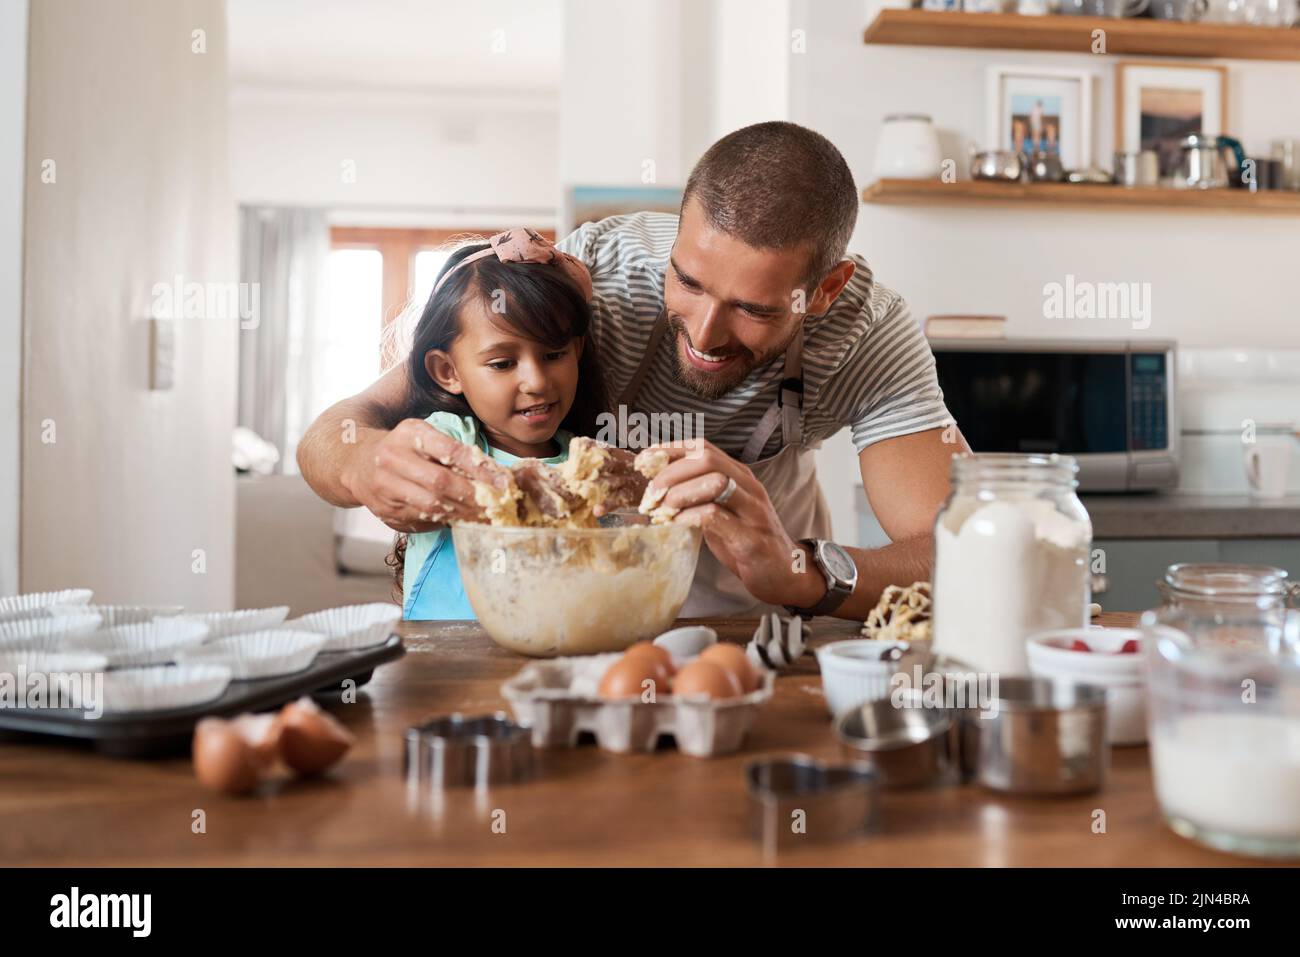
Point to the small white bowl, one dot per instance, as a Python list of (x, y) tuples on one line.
[(687, 642), (350, 627), (13, 607), (161, 689), (1121, 674), (856, 671), (146, 643), (45, 634), (223, 623), (258, 654)]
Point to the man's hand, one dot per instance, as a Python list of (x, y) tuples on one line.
[(406, 476), (744, 533)]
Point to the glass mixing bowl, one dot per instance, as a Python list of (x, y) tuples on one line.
[(563, 591)]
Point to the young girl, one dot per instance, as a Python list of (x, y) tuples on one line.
[(498, 361)]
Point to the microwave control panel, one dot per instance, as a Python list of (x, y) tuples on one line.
[(1148, 407)]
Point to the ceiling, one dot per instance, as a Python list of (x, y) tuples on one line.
[(428, 45)]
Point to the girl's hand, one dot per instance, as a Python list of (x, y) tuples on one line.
[(744, 533), (406, 477)]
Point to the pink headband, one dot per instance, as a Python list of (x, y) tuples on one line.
[(523, 245)]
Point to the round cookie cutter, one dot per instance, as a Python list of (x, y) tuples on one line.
[(468, 751)]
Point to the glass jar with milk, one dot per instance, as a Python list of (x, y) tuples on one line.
[(1011, 544), (1223, 655)]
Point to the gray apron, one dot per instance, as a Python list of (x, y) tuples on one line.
[(790, 477)]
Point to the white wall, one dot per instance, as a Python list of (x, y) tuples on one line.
[(1216, 280), (443, 154), (135, 481), (13, 119), (620, 93)]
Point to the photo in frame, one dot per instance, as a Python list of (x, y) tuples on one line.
[(1158, 103), (1037, 109)]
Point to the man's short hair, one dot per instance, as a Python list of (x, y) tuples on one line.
[(778, 185)]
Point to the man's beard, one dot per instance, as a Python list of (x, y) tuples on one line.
[(714, 385)]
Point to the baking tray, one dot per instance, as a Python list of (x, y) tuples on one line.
[(166, 733)]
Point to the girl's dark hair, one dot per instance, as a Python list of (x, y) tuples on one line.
[(533, 300)]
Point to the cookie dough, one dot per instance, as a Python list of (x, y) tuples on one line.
[(650, 462), (902, 614), (530, 492)]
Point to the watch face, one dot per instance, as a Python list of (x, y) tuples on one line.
[(838, 562)]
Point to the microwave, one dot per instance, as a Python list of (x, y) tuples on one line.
[(1108, 403)]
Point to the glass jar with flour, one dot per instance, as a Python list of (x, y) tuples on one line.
[(1012, 544)]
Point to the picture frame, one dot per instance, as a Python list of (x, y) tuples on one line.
[(1155, 103), (588, 203), (1031, 108)]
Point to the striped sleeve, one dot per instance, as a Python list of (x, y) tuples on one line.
[(887, 385)]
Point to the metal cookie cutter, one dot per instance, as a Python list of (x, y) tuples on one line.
[(795, 799), (468, 751)]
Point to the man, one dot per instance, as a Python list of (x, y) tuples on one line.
[(745, 311)]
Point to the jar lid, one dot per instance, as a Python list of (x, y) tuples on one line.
[(1015, 467), (1211, 580)]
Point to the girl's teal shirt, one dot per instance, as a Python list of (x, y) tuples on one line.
[(431, 584)]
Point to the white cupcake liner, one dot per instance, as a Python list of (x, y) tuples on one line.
[(223, 623), (46, 634), (162, 689), (51, 662), (34, 604), (146, 643), (258, 654), (113, 615), (352, 626)]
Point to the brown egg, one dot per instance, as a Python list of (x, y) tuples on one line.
[(734, 659), (654, 653), (311, 739), (626, 678), (262, 732), (706, 678), (649, 648), (223, 758)]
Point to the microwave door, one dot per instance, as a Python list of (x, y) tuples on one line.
[(1072, 403)]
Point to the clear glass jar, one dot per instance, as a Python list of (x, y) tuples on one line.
[(1223, 656), (1012, 544)]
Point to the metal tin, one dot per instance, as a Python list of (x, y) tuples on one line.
[(909, 746), (475, 751), (1039, 738), (796, 799), (1001, 165)]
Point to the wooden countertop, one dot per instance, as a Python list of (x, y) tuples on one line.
[(62, 805)]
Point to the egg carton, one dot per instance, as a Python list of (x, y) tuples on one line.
[(557, 698)]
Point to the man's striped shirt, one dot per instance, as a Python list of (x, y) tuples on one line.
[(866, 364)]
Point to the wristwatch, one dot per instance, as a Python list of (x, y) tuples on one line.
[(841, 577)]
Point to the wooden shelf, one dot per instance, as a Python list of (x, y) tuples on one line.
[(933, 192), (1009, 31)]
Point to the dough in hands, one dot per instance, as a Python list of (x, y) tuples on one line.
[(650, 462), (530, 492)]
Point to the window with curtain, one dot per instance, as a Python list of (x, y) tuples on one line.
[(328, 297)]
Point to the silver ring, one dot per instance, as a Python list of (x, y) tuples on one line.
[(726, 493)]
